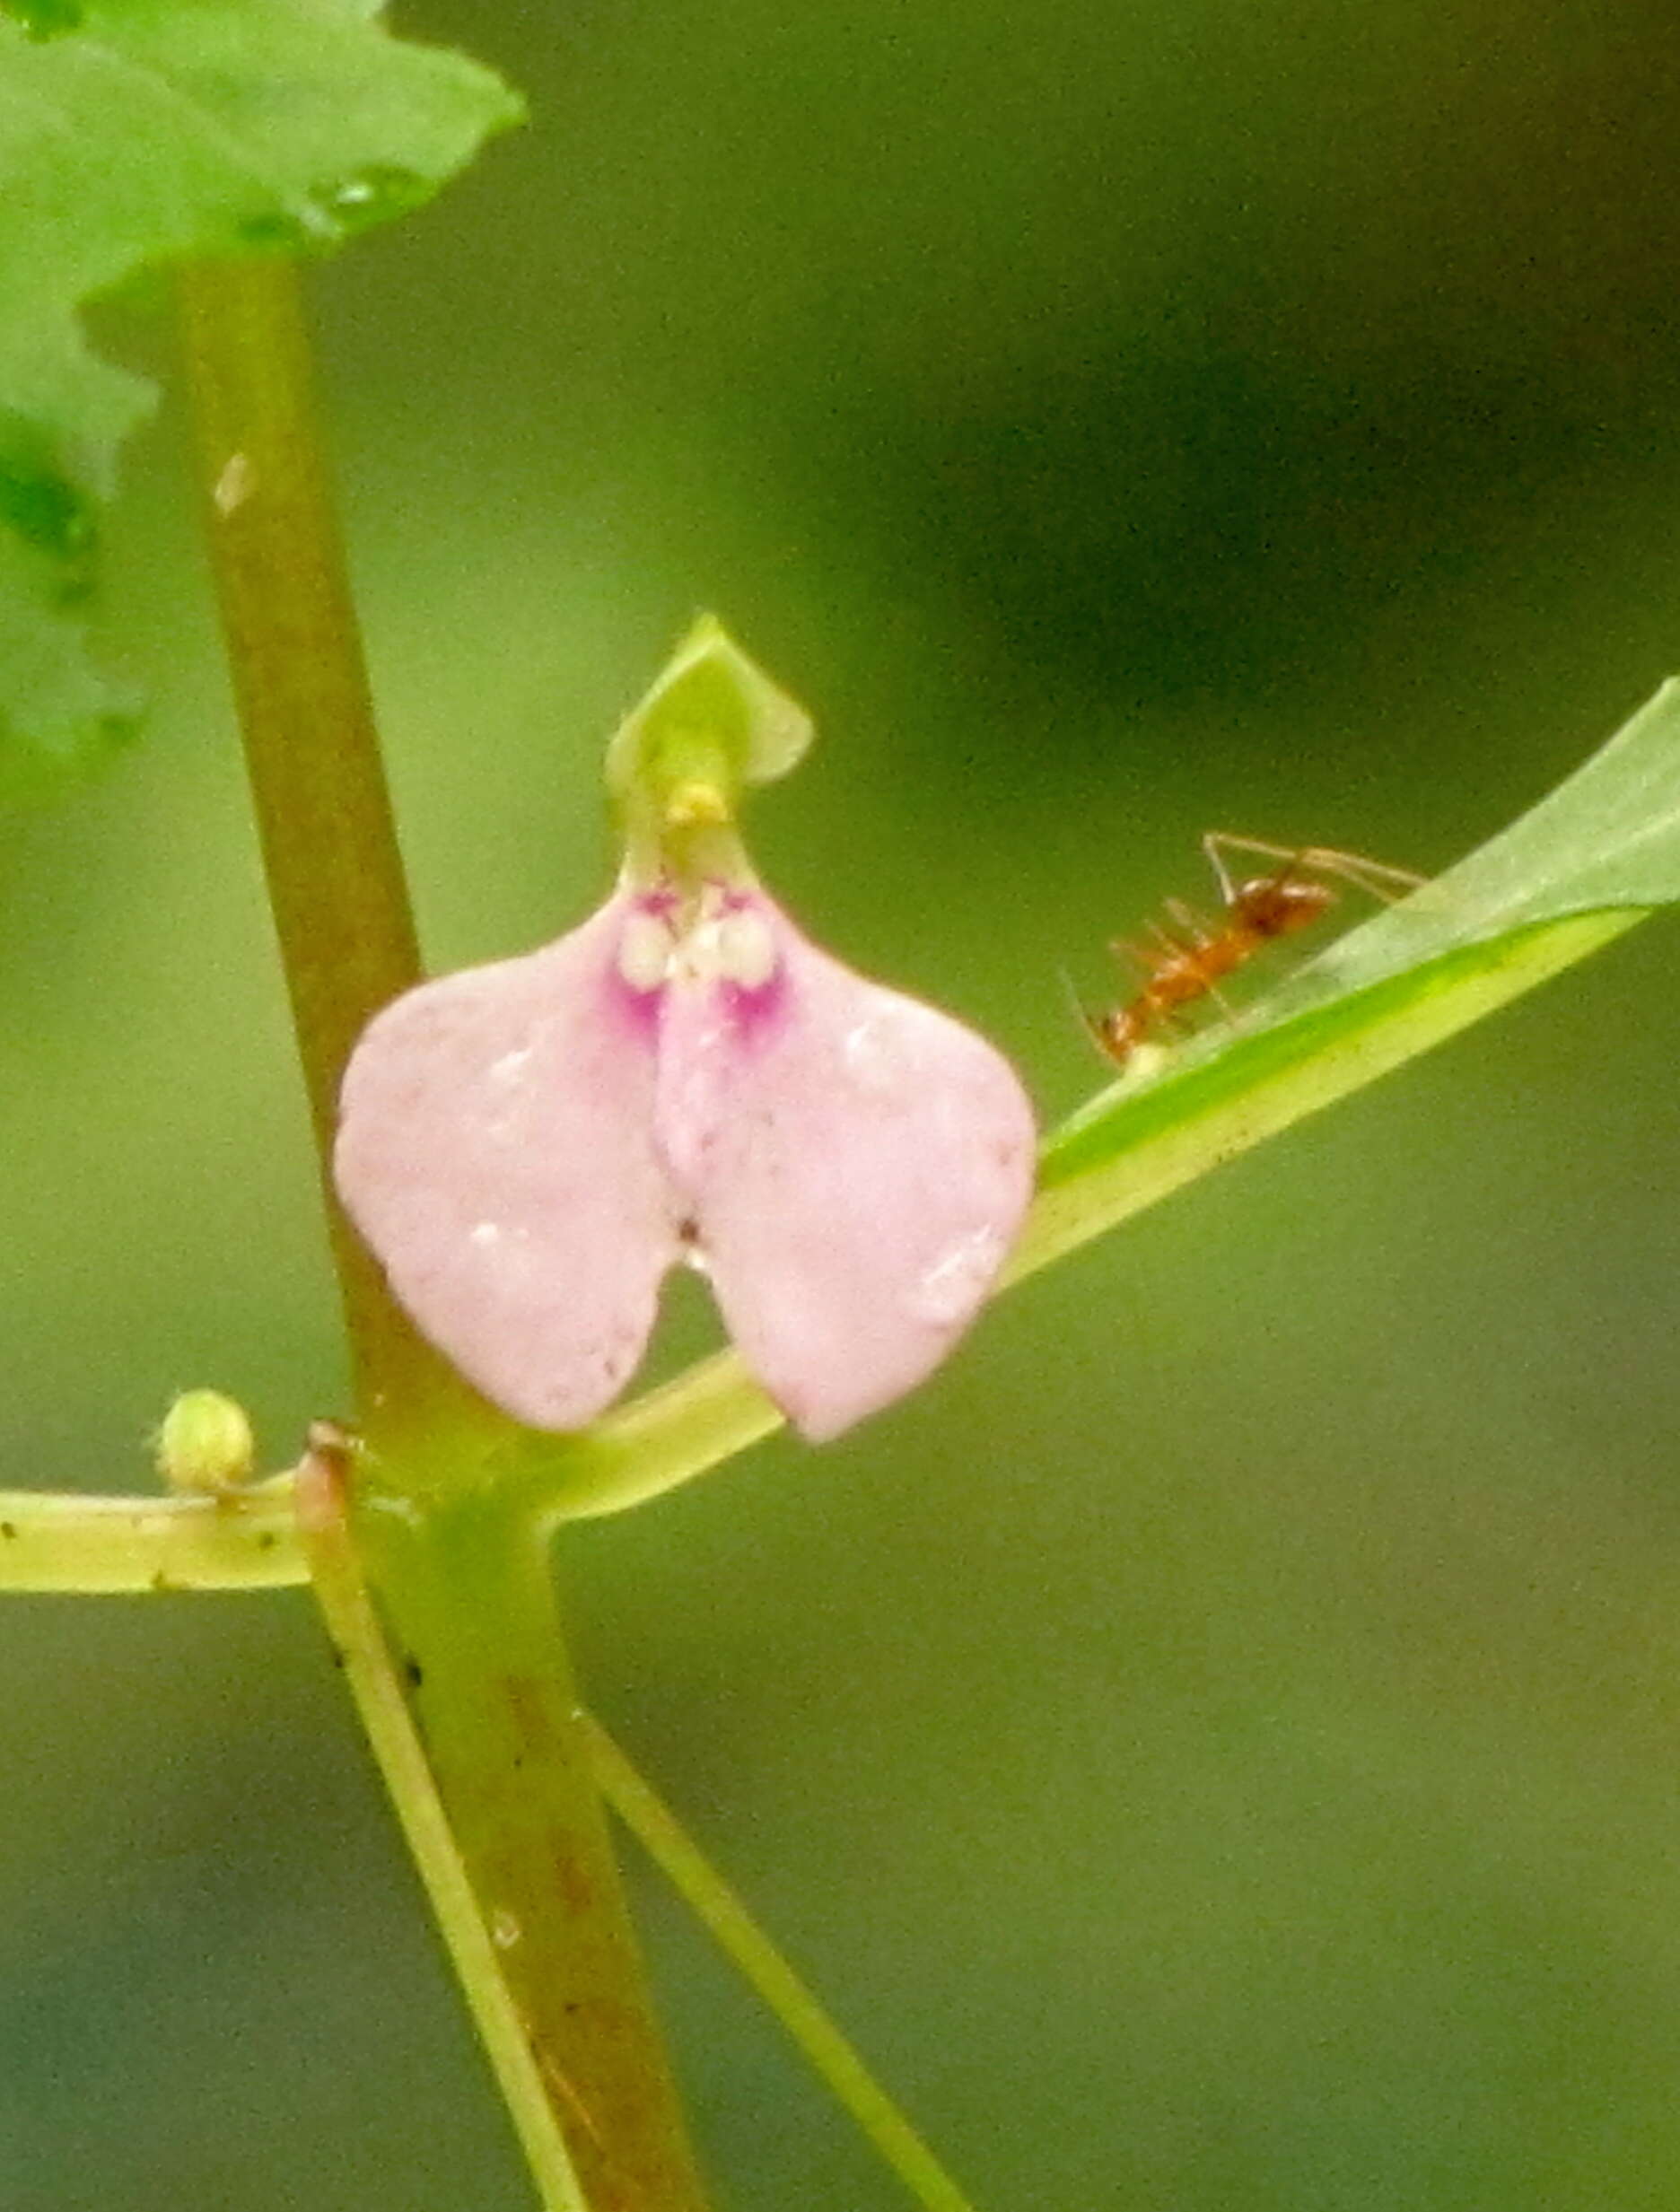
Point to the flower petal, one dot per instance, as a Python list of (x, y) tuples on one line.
[(857, 1164), (496, 1151)]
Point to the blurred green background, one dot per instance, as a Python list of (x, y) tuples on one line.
[(1216, 1748)]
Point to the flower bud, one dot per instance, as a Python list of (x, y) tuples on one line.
[(204, 1444)]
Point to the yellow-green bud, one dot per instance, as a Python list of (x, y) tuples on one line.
[(204, 1446)]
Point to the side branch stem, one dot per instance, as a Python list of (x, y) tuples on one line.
[(359, 1642), (742, 1941), (62, 1540)]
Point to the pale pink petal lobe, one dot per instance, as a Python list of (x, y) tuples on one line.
[(496, 1151), (857, 1165)]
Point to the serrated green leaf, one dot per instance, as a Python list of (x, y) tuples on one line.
[(59, 717), (135, 132), (1597, 855)]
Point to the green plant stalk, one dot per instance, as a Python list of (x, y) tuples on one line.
[(741, 1938), (468, 1598), (359, 1644), (62, 1540), (347, 942), (329, 846)]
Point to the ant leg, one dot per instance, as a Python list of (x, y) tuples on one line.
[(1211, 844), (1196, 929), (1219, 841), (1087, 1021), (1175, 951), (1147, 963)]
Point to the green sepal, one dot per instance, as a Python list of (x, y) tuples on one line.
[(713, 722)]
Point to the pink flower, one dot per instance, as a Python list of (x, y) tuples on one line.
[(527, 1147)]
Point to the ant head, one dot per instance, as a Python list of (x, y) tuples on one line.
[(1276, 905)]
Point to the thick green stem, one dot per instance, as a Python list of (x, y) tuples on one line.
[(514, 1784), (330, 848), (467, 1594)]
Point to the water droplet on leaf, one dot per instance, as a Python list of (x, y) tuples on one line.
[(370, 196)]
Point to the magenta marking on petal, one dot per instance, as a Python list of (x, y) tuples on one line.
[(752, 933), (626, 1007), (661, 899), (751, 1011)]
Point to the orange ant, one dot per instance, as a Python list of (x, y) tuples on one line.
[(1179, 969)]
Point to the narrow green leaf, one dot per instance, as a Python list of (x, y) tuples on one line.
[(136, 132), (1593, 858)]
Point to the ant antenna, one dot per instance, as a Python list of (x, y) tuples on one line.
[(1087, 1021)]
